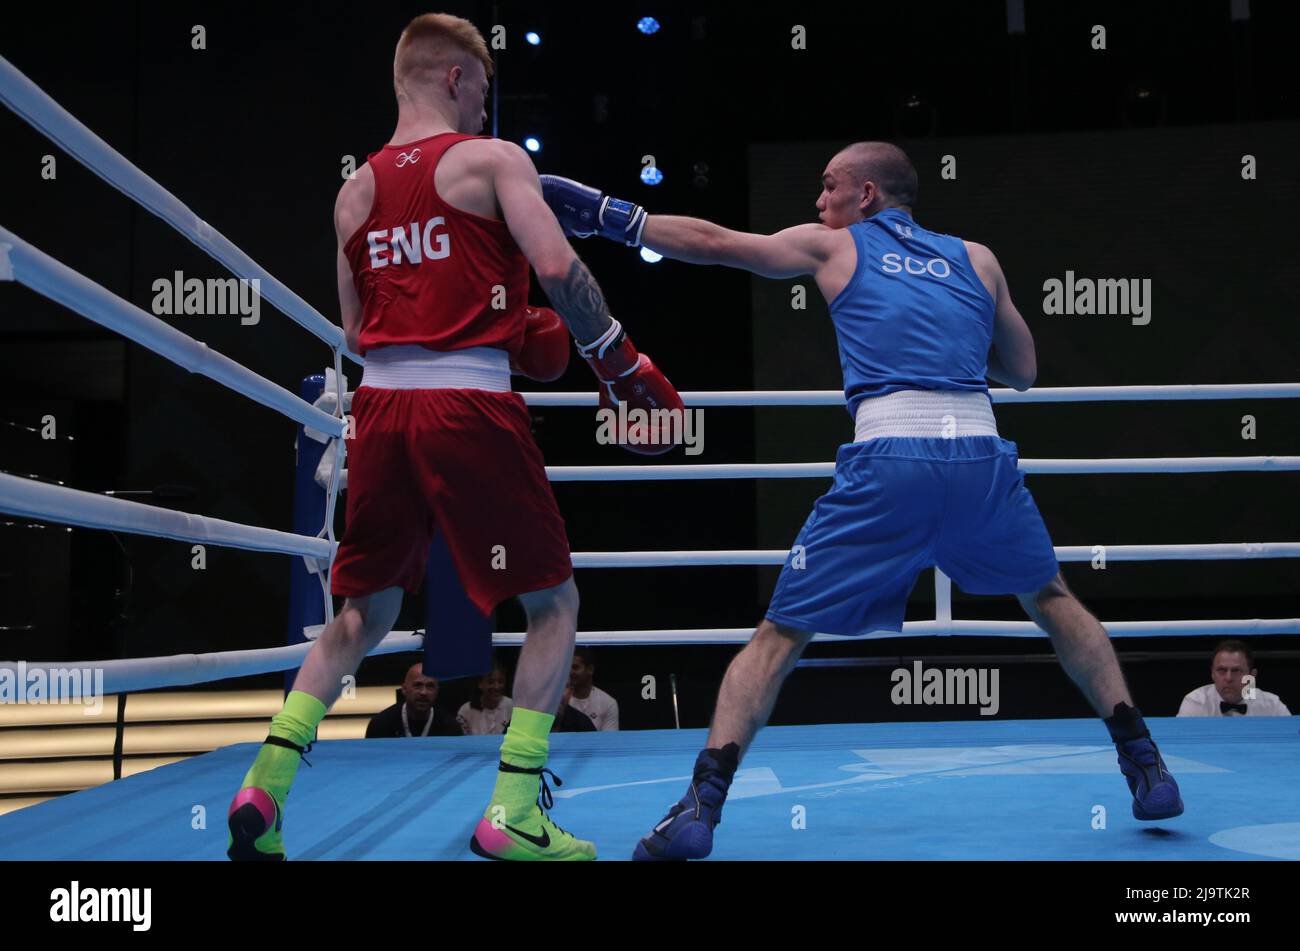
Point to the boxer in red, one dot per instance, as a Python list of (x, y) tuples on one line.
[(435, 237)]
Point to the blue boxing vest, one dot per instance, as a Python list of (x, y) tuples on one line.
[(914, 316)]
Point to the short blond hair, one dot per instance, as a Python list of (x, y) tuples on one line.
[(430, 42)]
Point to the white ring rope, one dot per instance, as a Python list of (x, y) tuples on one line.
[(179, 670), (741, 635), (824, 470), (1046, 394), (62, 284), (35, 269), (30, 102), (1066, 553), (151, 673), (31, 499), (1158, 465)]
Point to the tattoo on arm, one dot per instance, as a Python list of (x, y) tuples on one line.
[(580, 303)]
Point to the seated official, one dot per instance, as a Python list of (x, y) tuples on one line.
[(416, 713), (1229, 695)]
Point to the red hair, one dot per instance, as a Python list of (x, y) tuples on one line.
[(431, 42)]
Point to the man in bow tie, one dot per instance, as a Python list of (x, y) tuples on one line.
[(1234, 691)]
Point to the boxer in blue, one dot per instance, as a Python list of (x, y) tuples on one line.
[(921, 319)]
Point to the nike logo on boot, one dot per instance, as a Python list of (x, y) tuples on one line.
[(541, 841)]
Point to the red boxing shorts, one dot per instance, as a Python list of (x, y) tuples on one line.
[(458, 461)]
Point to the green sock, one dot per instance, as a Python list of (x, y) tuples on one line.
[(528, 740), (275, 766), (526, 744)]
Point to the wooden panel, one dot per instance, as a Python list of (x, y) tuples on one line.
[(57, 743), (38, 777), (184, 705)]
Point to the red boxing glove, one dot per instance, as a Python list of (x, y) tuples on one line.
[(545, 354), (630, 377)]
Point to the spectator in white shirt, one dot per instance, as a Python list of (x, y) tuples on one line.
[(568, 719), (490, 712), (587, 697), (1232, 694)]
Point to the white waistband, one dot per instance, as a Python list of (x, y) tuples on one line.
[(412, 367), (925, 414)]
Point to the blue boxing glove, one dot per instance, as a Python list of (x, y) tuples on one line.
[(583, 211)]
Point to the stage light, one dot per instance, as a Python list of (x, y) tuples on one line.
[(701, 170), (651, 257), (651, 175), (915, 114), (647, 25), (533, 144), (1143, 105), (534, 39)]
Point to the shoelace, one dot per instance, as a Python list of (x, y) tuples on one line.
[(1151, 762), (545, 800), (302, 751), (677, 808)]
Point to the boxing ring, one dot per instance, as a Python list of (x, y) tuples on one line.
[(982, 790)]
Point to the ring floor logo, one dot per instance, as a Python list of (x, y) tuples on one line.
[(891, 765)]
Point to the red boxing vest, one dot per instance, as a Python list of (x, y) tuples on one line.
[(428, 273)]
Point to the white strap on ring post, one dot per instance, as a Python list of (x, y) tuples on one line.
[(327, 402)]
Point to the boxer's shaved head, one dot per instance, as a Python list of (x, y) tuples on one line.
[(885, 164), (864, 179), (430, 46)]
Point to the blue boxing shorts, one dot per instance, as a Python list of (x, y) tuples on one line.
[(899, 505)]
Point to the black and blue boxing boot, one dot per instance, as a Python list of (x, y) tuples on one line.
[(687, 831), (1155, 792)]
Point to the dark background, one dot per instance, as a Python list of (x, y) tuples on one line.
[(1122, 163)]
